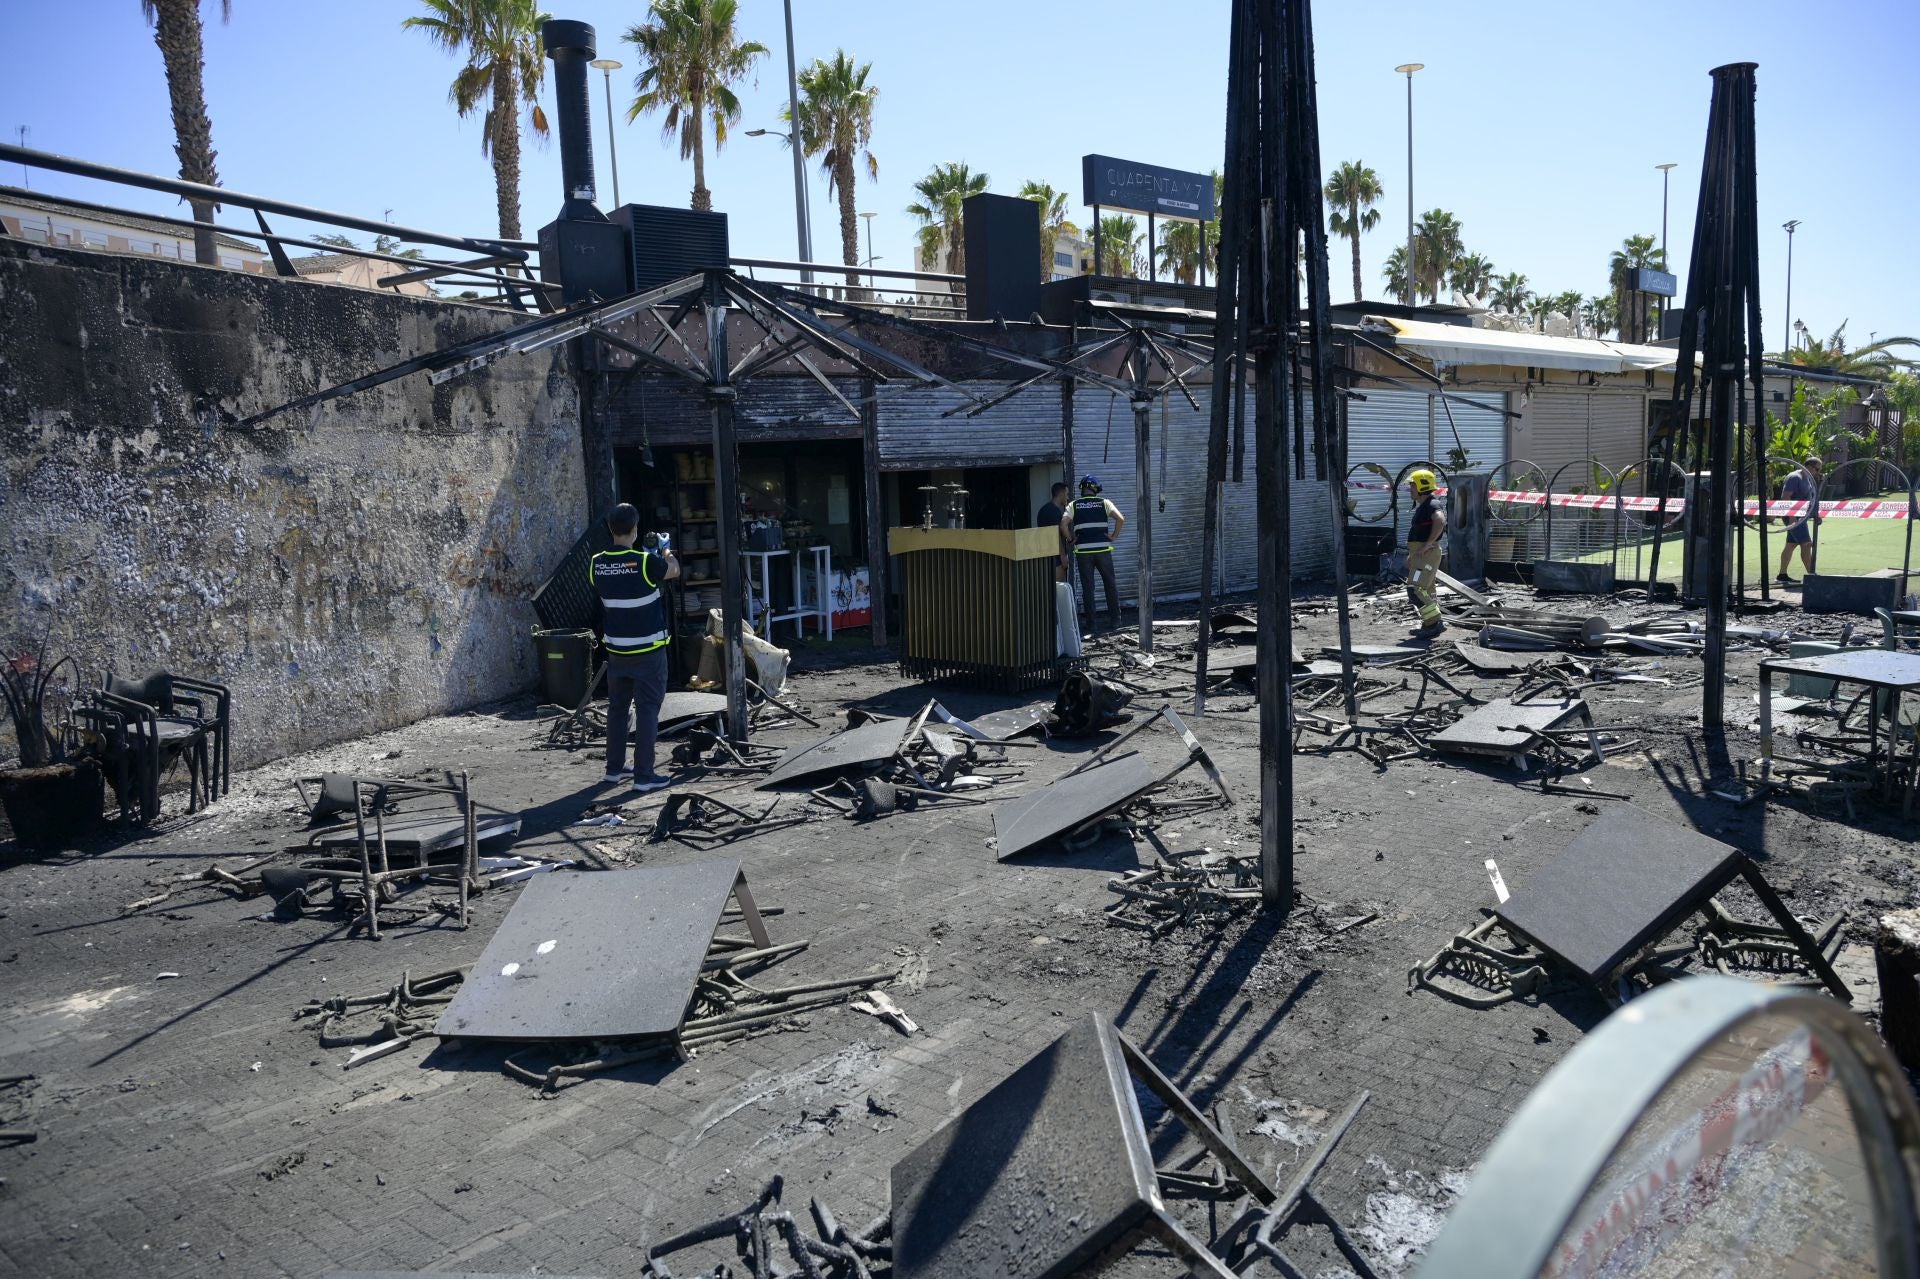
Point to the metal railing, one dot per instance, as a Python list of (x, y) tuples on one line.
[(508, 268), (483, 254), (948, 304)]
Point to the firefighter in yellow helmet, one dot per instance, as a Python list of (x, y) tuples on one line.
[(1426, 542)]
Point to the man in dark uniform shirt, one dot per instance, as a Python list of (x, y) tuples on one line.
[(1051, 513), (636, 632)]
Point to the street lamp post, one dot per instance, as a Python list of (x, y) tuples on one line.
[(800, 211), (1407, 69), (1788, 228), (868, 217), (607, 67), (1666, 173), (801, 197)]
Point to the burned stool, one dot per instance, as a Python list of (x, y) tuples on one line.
[(1598, 910)]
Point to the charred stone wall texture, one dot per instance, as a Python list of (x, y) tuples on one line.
[(346, 568)]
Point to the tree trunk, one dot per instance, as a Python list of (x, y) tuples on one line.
[(1353, 233), (843, 176), (702, 198), (506, 148), (176, 29), (957, 246)]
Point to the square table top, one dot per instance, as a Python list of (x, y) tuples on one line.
[(1878, 667), (608, 955), (1623, 882)]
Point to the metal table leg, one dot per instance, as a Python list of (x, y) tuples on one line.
[(1766, 723)]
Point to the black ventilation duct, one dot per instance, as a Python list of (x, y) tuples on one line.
[(581, 251), (570, 45)]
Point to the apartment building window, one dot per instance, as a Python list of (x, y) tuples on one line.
[(1063, 259)]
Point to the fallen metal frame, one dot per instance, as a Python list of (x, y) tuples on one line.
[(376, 877), (1259, 1231), (837, 1253), (704, 820)]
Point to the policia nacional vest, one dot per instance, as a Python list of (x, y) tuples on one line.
[(636, 616), (1090, 526)]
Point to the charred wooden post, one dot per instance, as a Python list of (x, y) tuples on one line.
[(721, 395), (1272, 205)]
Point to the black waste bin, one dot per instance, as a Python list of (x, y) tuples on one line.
[(565, 661)]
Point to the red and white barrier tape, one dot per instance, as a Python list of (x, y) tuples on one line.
[(1863, 508)]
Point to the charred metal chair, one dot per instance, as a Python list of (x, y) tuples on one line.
[(144, 727), (383, 821)]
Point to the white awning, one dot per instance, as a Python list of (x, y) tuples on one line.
[(1457, 344)]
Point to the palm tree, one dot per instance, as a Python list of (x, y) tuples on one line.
[(501, 42), (1539, 307), (1875, 360), (941, 209), (1472, 275), (1120, 246), (1599, 314), (1053, 221), (1634, 251), (1352, 192), (1436, 248), (1395, 272), (176, 29), (691, 58), (1180, 249), (836, 123), (1569, 304), (1510, 293)]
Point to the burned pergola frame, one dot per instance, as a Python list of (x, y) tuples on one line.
[(1157, 363), (794, 326)]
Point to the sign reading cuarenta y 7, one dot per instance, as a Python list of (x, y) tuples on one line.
[(1146, 188)]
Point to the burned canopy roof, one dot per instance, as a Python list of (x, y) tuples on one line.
[(792, 326)]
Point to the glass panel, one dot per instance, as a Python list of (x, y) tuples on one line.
[(1749, 1163)]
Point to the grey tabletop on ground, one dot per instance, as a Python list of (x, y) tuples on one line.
[(1027, 821), (1003, 726), (1623, 882), (870, 743), (1491, 728), (1879, 667), (1036, 1178), (681, 705), (594, 956)]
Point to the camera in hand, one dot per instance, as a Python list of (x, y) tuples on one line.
[(657, 542)]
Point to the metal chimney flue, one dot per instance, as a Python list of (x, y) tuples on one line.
[(571, 46)]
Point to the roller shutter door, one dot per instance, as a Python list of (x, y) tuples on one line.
[(1107, 451), (914, 435)]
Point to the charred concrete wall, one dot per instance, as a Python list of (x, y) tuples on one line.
[(346, 568)]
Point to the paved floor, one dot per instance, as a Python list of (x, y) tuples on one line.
[(188, 1125)]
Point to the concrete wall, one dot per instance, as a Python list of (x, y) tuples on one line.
[(345, 568)]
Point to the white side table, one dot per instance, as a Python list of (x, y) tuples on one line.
[(822, 606), (764, 560)]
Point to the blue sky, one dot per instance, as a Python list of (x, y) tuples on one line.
[(1537, 124)]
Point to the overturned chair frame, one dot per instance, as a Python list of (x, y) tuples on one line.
[(375, 873)]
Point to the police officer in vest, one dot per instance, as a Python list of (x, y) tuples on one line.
[(1426, 543), (635, 631), (1091, 525)]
